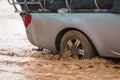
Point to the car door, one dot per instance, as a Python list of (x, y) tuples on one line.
[(111, 32), (107, 28)]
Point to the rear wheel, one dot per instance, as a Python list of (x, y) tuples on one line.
[(76, 45)]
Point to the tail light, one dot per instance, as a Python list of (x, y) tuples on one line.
[(27, 19)]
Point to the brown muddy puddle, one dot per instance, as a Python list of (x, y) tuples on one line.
[(47, 67), (19, 60)]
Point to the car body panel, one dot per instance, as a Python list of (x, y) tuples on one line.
[(101, 28)]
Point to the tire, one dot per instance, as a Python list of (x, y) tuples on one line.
[(76, 45)]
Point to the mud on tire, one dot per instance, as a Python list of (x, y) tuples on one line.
[(76, 45)]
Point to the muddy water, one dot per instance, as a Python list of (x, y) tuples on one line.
[(49, 67), (20, 61)]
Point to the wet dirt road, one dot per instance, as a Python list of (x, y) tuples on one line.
[(19, 60)]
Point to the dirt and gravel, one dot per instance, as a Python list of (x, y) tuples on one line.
[(19, 60)]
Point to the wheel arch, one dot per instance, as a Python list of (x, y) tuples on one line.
[(63, 31)]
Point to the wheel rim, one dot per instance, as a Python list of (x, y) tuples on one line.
[(74, 48)]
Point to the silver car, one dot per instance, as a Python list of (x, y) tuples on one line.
[(78, 35)]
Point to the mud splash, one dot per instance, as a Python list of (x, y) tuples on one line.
[(20, 61), (44, 68)]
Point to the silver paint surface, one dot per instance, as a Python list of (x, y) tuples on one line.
[(102, 28)]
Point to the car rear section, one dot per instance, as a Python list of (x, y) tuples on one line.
[(75, 33), (47, 30)]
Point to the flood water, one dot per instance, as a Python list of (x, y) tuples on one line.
[(19, 59)]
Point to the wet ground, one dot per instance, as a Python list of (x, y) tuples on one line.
[(20, 61)]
